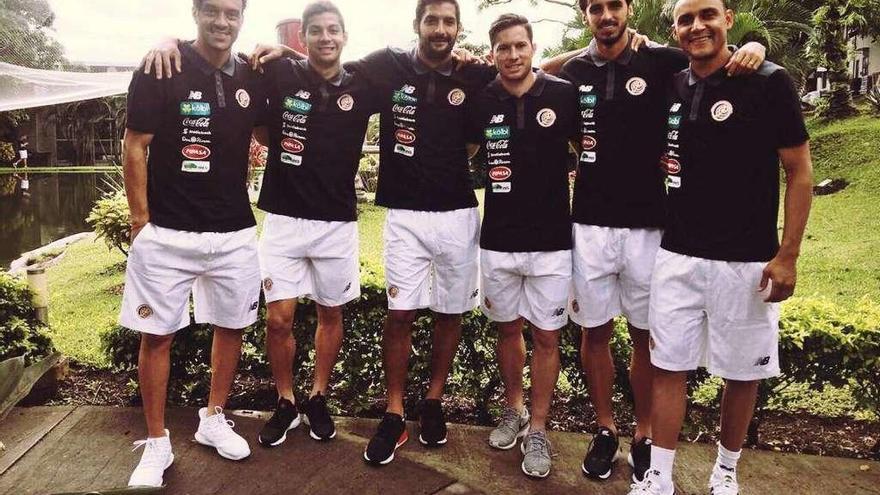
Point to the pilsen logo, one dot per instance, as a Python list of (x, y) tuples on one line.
[(195, 152), (500, 173), (404, 136), (292, 145)]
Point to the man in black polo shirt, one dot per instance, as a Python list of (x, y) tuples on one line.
[(619, 210), (309, 247), (191, 223), (721, 271), (523, 121)]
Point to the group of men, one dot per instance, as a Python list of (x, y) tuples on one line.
[(672, 224)]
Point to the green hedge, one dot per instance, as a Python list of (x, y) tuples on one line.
[(21, 333)]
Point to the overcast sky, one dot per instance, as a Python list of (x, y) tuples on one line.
[(121, 31)]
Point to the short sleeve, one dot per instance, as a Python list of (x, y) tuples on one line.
[(567, 70), (144, 103), (786, 119), (669, 60)]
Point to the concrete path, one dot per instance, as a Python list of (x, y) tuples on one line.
[(52, 450)]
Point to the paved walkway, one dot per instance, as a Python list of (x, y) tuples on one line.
[(52, 450)]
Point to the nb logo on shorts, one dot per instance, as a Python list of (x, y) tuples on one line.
[(559, 312), (475, 293), (347, 287), (255, 305), (764, 361)]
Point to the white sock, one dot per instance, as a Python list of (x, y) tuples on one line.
[(727, 458), (662, 461)]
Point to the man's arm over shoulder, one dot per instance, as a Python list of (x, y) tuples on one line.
[(372, 66)]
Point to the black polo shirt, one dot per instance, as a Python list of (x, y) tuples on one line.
[(316, 132), (525, 142), (622, 106), (722, 162), (201, 121), (423, 162)]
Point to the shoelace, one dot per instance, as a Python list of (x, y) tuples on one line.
[(510, 421), (152, 453), (387, 428), (605, 444), (219, 423), (647, 486), (280, 418), (537, 443), (728, 486)]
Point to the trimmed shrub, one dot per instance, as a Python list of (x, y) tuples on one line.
[(21, 333), (109, 218)]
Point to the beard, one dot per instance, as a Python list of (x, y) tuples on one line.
[(614, 38), (436, 55)]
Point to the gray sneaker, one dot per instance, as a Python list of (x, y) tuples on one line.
[(536, 454), (512, 426)]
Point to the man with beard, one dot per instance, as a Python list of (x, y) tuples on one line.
[(524, 120), (721, 270), (618, 210), (192, 227)]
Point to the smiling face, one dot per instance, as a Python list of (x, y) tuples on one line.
[(437, 30), (324, 37), (218, 23), (701, 27), (607, 19), (512, 52)]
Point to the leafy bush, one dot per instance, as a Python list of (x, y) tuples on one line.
[(873, 97), (21, 333), (109, 218)]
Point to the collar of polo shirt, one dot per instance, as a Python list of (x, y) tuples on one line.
[(342, 77), (190, 53), (445, 68), (497, 88), (592, 53), (715, 78)]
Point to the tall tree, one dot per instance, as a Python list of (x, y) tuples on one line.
[(24, 34)]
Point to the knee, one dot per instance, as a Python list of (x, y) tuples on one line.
[(400, 321), (278, 326), (598, 338), (329, 316), (156, 342), (545, 340)]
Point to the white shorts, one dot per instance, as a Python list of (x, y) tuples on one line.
[(612, 274), (431, 259), (533, 285), (220, 269), (309, 258), (710, 313), (23, 154)]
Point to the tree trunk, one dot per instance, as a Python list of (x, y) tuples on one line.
[(838, 103)]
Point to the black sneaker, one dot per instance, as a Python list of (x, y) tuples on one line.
[(318, 418), (601, 454), (432, 423), (285, 418), (390, 435), (640, 458)]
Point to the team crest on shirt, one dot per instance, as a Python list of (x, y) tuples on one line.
[(144, 311), (345, 103), (393, 291), (456, 97), (267, 284), (636, 86), (546, 117), (721, 111), (243, 98)]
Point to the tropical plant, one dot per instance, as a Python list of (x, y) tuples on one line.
[(110, 219)]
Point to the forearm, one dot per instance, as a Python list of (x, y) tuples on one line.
[(798, 199), (554, 65), (134, 172), (291, 53)]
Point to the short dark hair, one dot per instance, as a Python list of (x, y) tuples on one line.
[(319, 7), (422, 5), (583, 4), (197, 4), (507, 21)]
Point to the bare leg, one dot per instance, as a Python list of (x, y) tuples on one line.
[(225, 351), (328, 341), (396, 343), (154, 364), (512, 360), (737, 408), (641, 377), (598, 365), (444, 345), (668, 406), (280, 345), (545, 373)]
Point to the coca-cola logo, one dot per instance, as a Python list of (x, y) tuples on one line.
[(296, 118), (500, 173), (497, 145), (292, 145), (200, 122), (195, 152), (404, 109), (404, 136)]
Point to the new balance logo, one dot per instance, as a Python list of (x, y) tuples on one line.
[(475, 293), (497, 119), (255, 305), (559, 312), (764, 361), (347, 287), (195, 95), (305, 95)]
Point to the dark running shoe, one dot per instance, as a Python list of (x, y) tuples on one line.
[(601, 454), (390, 435), (432, 423), (318, 418), (640, 458), (286, 417)]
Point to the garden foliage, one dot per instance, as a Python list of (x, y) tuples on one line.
[(21, 333), (109, 218)]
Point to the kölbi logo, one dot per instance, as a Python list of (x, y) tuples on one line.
[(292, 145), (404, 136), (195, 152), (500, 173)]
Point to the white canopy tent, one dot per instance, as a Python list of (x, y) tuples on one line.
[(21, 87)]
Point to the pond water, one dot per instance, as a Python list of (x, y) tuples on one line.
[(57, 206)]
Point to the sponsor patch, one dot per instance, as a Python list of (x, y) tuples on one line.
[(144, 311), (345, 103), (670, 165), (305, 95), (675, 107), (267, 284), (292, 145), (672, 135), (588, 157), (195, 152), (588, 101), (291, 159), (636, 86), (201, 122), (497, 119), (405, 136), (297, 105), (456, 97), (195, 108), (546, 117), (393, 291), (243, 98), (195, 95), (195, 166), (255, 305), (721, 111), (501, 187), (674, 121), (500, 173), (673, 181), (589, 143), (403, 98), (404, 150), (497, 132)]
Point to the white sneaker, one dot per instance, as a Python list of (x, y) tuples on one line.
[(650, 485), (155, 460), (723, 481), (216, 431)]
